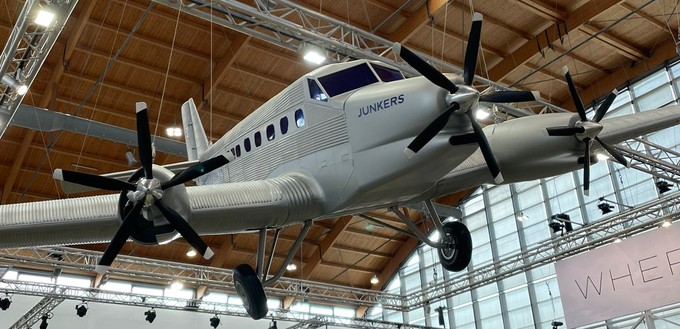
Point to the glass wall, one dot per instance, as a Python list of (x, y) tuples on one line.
[(532, 299)]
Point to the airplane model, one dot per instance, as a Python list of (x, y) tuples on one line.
[(343, 139)]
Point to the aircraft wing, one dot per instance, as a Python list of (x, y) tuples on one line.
[(216, 209), (473, 171)]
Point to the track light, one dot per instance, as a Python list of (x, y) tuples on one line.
[(272, 325), (663, 186), (150, 315), (605, 207), (5, 302), (374, 279), (11, 82), (43, 322), (81, 309), (312, 53), (214, 321)]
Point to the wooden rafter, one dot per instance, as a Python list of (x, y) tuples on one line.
[(580, 16), (646, 17), (218, 260), (404, 32), (620, 46), (327, 242), (542, 9)]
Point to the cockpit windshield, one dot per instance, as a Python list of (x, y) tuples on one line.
[(348, 79), (387, 74)]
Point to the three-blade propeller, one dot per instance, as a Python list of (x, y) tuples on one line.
[(147, 192), (587, 130), (442, 81)]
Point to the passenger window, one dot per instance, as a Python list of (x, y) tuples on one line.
[(246, 144), (315, 91), (238, 151), (299, 118), (258, 139), (233, 152), (284, 125), (270, 132)]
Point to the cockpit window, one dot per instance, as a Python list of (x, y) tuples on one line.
[(387, 74), (348, 79), (315, 91)]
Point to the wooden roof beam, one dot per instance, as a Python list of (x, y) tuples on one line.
[(404, 32), (219, 71), (580, 16), (327, 242), (218, 260), (542, 9), (646, 17), (620, 46)]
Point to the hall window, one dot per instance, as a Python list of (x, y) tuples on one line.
[(270, 132)]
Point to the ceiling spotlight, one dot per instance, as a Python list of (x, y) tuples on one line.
[(150, 315), (81, 309), (173, 131), (11, 82), (192, 253), (5, 302), (522, 217), (291, 267), (44, 18), (374, 279), (214, 321), (666, 223), (312, 53), (617, 240), (43, 322), (601, 156), (605, 207), (176, 285), (272, 325), (481, 114), (663, 186)]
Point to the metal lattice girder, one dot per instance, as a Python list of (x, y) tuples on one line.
[(289, 25), (56, 292), (640, 219), (78, 260), (652, 158), (27, 48), (44, 306)]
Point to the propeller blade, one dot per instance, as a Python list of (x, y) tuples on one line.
[(490, 159), (602, 110), (472, 51), (424, 68), (586, 168), (430, 131), (144, 139), (564, 131), (100, 182), (509, 96), (613, 152), (119, 239), (574, 95), (188, 233), (195, 171)]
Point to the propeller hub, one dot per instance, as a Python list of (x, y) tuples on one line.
[(466, 96), (590, 130), (148, 190)]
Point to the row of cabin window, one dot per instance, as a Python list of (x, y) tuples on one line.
[(271, 133)]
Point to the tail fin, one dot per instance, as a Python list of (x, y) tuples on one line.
[(194, 134)]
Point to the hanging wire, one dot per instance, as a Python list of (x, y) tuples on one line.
[(167, 71)]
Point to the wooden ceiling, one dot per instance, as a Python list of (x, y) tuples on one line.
[(172, 58)]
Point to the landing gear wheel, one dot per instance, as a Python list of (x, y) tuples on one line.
[(457, 255), (249, 288)]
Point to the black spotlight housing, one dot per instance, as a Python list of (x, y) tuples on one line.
[(214, 321), (663, 186), (605, 207), (150, 315), (5, 302), (43, 322), (272, 325), (81, 309)]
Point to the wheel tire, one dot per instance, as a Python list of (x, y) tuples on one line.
[(457, 257), (249, 288)]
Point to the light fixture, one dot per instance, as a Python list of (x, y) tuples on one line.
[(44, 318), (81, 309), (617, 240), (312, 53), (11, 82), (192, 253), (150, 315), (481, 114), (214, 321), (561, 223), (272, 325), (176, 285), (5, 302), (173, 131), (374, 279), (44, 18), (440, 314), (666, 223), (556, 324), (601, 156), (130, 157), (663, 186), (522, 217), (291, 267), (605, 207)]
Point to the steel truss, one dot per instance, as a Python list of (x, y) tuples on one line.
[(290, 25), (627, 223), (53, 292), (26, 50), (654, 159), (44, 306)]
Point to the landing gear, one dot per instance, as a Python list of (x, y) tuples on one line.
[(249, 288), (458, 252)]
